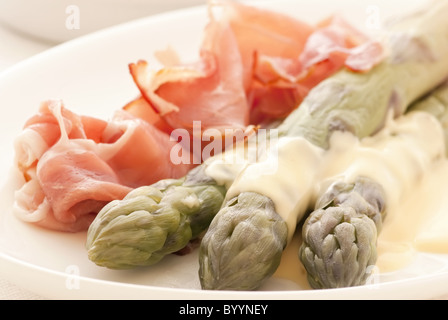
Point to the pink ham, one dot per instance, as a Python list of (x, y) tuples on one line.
[(263, 32), (280, 83), (85, 164), (210, 91)]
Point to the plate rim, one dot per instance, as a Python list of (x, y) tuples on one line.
[(395, 289), (181, 293)]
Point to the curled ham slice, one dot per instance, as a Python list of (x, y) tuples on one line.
[(140, 108), (82, 163), (210, 91), (280, 83), (263, 32)]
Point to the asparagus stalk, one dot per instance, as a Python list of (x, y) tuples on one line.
[(153, 221), (262, 227), (359, 103), (339, 237)]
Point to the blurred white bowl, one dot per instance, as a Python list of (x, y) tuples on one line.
[(61, 20)]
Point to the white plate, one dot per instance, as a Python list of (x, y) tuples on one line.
[(90, 74)]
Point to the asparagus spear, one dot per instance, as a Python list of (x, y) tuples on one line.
[(262, 227), (416, 63), (153, 221), (339, 237)]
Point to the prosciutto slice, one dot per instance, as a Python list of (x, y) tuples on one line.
[(74, 165), (210, 91), (280, 83)]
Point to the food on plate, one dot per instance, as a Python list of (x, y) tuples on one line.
[(357, 103), (319, 126)]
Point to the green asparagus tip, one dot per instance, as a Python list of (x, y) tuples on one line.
[(243, 245), (339, 237)]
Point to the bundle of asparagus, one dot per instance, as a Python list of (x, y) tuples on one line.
[(417, 62), (331, 253), (339, 236)]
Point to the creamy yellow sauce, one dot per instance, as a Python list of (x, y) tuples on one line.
[(419, 224), (287, 176), (290, 267), (407, 158)]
